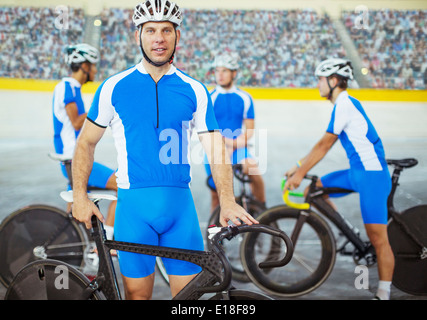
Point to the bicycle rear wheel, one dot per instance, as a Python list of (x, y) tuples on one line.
[(36, 232), (313, 258), (51, 280), (232, 248), (410, 271), (237, 294)]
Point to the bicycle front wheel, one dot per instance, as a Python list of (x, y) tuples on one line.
[(410, 271), (313, 258), (51, 280), (232, 248), (37, 232)]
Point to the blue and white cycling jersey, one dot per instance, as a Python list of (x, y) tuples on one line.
[(151, 124), (231, 108), (67, 91), (357, 134)]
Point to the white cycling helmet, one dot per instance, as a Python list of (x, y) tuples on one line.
[(226, 60), (337, 66), (80, 53), (157, 10)]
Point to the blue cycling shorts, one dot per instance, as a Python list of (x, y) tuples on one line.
[(373, 187), (98, 177), (159, 216), (237, 157)]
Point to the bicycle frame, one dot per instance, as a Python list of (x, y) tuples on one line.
[(316, 197), (215, 266)]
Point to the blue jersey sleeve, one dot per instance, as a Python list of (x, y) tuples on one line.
[(101, 111), (330, 128), (69, 95), (250, 114), (204, 118)]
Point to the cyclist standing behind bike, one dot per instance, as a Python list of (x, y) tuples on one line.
[(69, 114), (234, 109), (151, 108), (368, 174)]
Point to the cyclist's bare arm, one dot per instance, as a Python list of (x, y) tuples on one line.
[(316, 154), (83, 208), (73, 114), (221, 171), (242, 140)]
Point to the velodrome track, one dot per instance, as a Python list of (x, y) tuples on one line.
[(287, 130)]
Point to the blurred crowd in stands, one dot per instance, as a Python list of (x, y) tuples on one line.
[(276, 48), (392, 45), (32, 40)]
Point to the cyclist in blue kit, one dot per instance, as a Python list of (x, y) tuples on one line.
[(152, 108), (69, 114), (234, 111), (368, 174)]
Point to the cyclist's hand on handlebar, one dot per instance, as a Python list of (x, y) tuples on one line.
[(231, 211), (293, 182), (83, 209)]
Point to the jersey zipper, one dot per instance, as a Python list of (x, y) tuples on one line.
[(157, 103), (157, 100)]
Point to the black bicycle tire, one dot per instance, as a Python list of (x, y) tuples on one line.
[(239, 294), (39, 280), (18, 239), (326, 263), (238, 271), (410, 271)]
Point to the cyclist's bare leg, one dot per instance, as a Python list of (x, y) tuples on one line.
[(177, 283), (250, 167), (111, 185), (138, 288), (142, 288), (377, 234)]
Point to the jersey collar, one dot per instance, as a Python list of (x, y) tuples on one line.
[(140, 68), (73, 81), (220, 89), (342, 96)]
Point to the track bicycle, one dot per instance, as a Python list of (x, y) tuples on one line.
[(40, 231), (39, 279), (315, 246), (254, 207)]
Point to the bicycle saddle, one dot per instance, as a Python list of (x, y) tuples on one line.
[(403, 163), (67, 196), (59, 157)]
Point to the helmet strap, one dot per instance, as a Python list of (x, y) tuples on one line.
[(87, 73), (330, 88), (170, 60)]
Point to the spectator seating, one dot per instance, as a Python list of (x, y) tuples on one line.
[(392, 45), (32, 41)]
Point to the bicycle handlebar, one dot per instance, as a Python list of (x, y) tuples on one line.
[(231, 231), (287, 193)]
